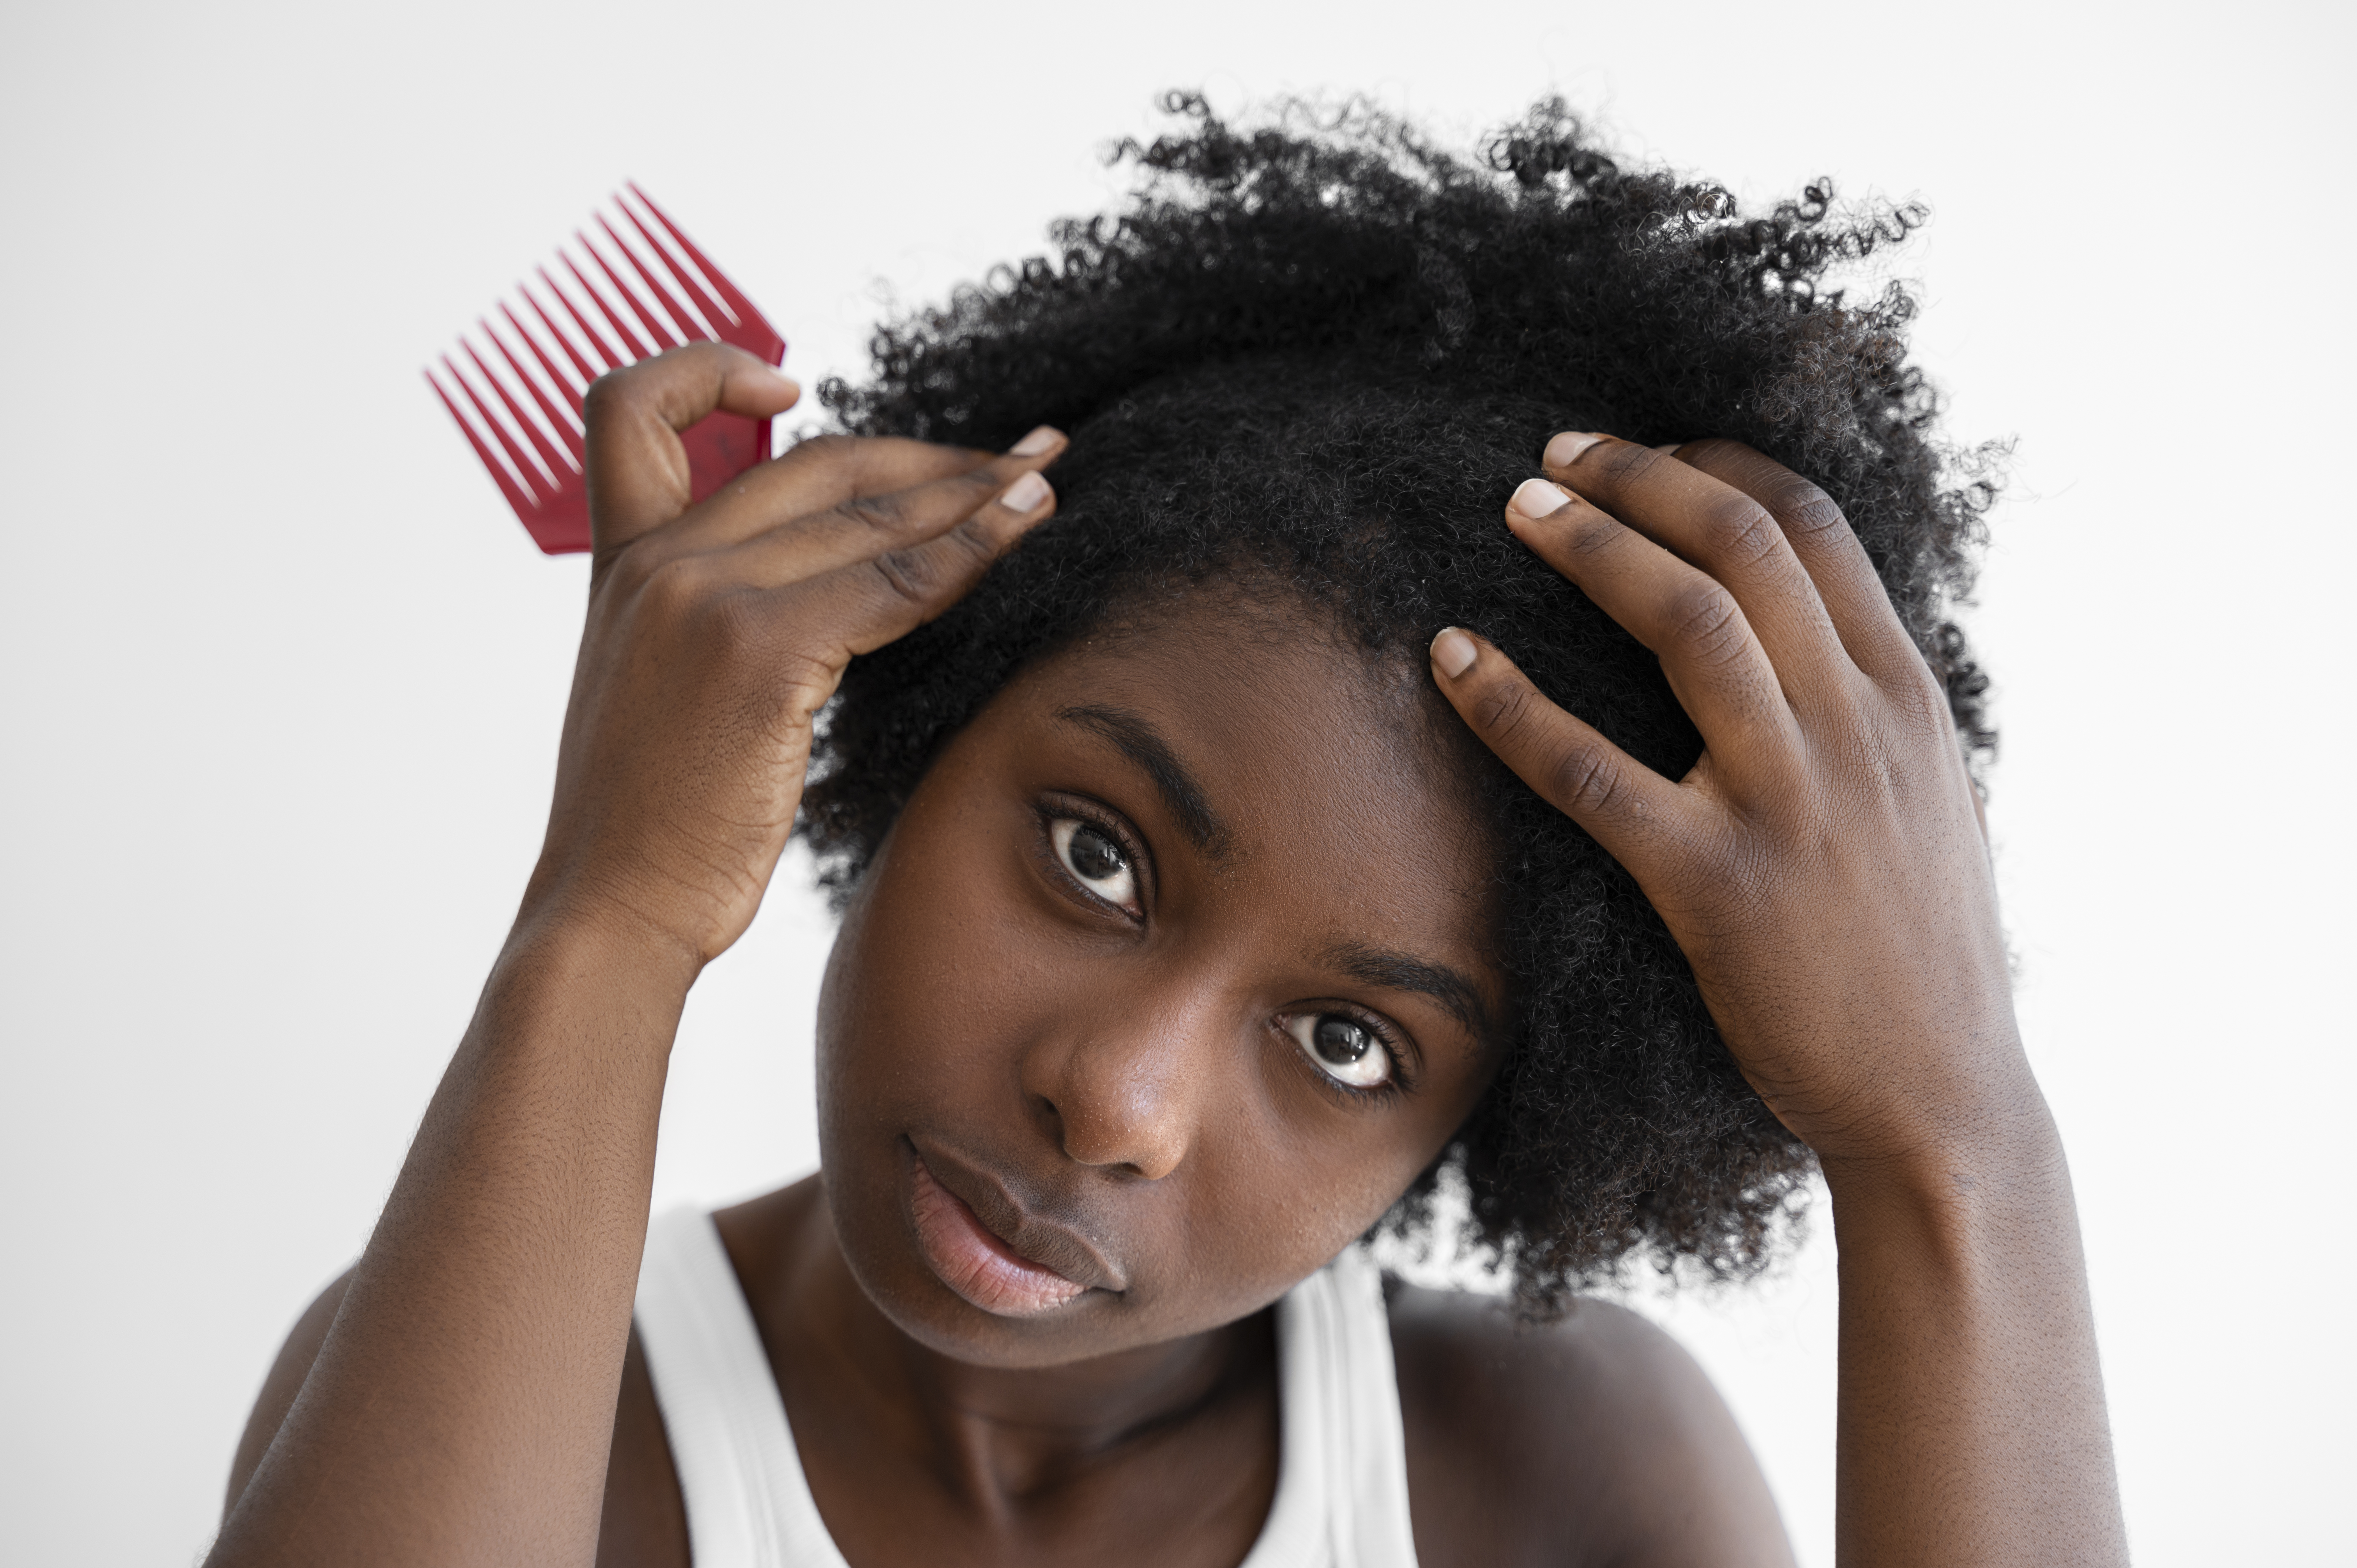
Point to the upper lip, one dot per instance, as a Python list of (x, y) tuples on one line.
[(1028, 1233)]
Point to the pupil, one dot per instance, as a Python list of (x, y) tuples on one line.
[(1339, 1040), (1094, 857)]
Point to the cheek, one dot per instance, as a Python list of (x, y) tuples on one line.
[(919, 982), (1274, 1205)]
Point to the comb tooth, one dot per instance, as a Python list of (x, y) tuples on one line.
[(606, 313), (708, 305), (632, 269), (562, 421), (651, 274), (752, 331), (620, 318), (496, 462), (583, 374), (520, 462), (598, 345), (543, 450), (566, 385)]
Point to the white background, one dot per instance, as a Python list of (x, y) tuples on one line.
[(280, 677)]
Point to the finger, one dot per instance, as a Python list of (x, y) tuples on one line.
[(636, 466), (1693, 624), (865, 525), (1716, 527), (1825, 545), (811, 475), (884, 598), (1624, 805)]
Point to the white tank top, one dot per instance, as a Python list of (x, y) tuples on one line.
[(1341, 1478)]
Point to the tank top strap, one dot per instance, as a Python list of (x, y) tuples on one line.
[(1341, 1492), (747, 1503)]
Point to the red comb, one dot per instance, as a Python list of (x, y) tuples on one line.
[(646, 288)]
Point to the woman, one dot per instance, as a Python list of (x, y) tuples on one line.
[(1269, 840)]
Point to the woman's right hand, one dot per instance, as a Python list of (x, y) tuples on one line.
[(460, 1404), (716, 631)]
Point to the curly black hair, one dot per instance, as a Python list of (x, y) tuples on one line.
[(1319, 351)]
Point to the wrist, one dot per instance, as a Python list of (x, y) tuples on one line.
[(572, 957), (576, 911), (1888, 1095), (2006, 1158)]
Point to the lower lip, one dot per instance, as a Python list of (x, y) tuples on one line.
[(977, 1264)]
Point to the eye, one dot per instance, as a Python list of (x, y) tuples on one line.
[(1096, 857), (1343, 1048)]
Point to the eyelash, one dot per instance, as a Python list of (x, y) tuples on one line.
[(1387, 1041), (1077, 809)]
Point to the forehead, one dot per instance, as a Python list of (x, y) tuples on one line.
[(1337, 789)]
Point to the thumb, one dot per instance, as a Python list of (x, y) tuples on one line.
[(636, 465)]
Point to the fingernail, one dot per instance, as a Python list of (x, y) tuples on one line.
[(1669, 448), (1453, 652), (1567, 446), (1031, 445), (1025, 494), (1536, 499), (779, 380)]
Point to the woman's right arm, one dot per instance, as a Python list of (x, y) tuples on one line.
[(460, 1406)]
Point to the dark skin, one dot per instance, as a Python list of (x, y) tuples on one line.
[(1173, 974)]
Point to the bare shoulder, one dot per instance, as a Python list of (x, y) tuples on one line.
[(1594, 1439)]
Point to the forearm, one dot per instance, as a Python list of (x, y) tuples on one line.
[(1971, 1421), (461, 1407)]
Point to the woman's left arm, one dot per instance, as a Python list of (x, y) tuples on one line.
[(1823, 868)]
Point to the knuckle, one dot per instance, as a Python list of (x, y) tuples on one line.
[(672, 587), (1583, 780), (607, 396), (910, 574), (1741, 531), (1502, 711), (1624, 460), (1806, 510), (1920, 698), (1705, 619), (827, 449), (1573, 771), (881, 515), (829, 453), (974, 540), (1590, 533)]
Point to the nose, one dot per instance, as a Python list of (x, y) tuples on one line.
[(1126, 1088)]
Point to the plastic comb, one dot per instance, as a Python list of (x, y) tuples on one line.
[(644, 289)]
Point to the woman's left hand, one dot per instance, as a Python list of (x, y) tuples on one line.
[(1823, 865)]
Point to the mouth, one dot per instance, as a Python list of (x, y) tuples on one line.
[(1009, 1274)]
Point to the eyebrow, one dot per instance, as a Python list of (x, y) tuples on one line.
[(1142, 744), (1398, 971)]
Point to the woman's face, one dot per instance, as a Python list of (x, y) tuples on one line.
[(1171, 976)]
